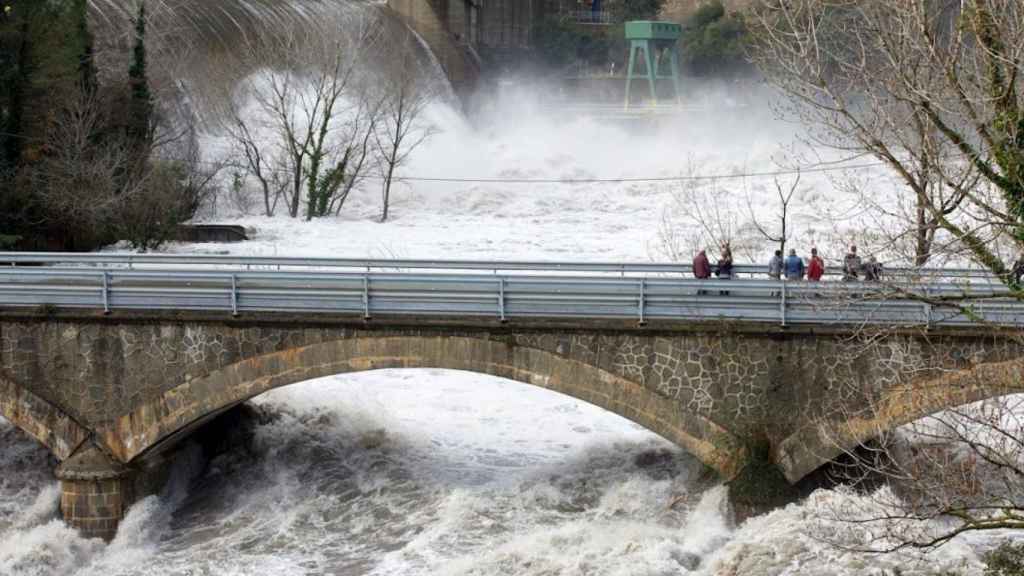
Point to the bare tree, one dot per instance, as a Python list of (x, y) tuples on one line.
[(699, 215), (95, 183), (253, 160), (301, 128), (785, 197), (405, 95), (931, 89), (359, 148), (706, 212)]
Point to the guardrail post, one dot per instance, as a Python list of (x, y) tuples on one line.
[(782, 303), (106, 292), (234, 295), (366, 297), (643, 300), (927, 310), (501, 299)]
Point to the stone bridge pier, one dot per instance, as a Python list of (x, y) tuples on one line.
[(111, 395)]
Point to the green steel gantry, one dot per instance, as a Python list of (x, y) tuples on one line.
[(654, 40)]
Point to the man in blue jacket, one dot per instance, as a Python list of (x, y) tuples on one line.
[(794, 266)]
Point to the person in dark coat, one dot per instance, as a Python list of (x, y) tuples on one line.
[(1017, 272), (775, 266), (873, 270), (701, 268), (724, 267)]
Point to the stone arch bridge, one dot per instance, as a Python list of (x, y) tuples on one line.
[(109, 393)]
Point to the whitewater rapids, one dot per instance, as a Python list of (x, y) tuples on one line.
[(429, 472)]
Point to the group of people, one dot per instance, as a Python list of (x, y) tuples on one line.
[(792, 267)]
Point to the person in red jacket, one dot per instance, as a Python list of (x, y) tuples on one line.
[(816, 269)]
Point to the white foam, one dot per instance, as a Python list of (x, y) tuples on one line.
[(424, 472)]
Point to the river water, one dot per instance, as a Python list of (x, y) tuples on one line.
[(423, 472), (429, 472)]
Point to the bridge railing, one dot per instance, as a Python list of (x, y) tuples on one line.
[(507, 296), (248, 263), (601, 17)]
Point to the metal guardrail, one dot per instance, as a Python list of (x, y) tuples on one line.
[(110, 285), (131, 261), (591, 17)]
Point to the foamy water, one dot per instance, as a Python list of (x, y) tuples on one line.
[(428, 472)]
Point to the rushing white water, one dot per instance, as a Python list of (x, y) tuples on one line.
[(428, 472), (425, 472)]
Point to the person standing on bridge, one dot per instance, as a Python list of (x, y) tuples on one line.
[(851, 266), (701, 268), (775, 266), (873, 270), (816, 269), (724, 268), (794, 266)]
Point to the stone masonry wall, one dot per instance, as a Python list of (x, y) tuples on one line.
[(751, 381)]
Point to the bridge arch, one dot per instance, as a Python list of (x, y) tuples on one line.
[(40, 419), (820, 442), (183, 408)]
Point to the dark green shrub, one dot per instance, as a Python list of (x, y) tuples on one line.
[(1005, 560), (626, 10), (561, 44), (713, 42)]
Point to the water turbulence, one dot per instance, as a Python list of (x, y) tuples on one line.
[(422, 472), (397, 472), (428, 472), (200, 44)]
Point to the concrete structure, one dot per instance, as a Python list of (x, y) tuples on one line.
[(109, 394), (462, 33)]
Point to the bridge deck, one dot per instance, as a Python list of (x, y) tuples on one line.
[(501, 290)]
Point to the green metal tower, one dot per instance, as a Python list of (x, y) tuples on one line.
[(654, 40)]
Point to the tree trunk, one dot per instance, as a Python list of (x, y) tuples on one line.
[(387, 191), (922, 248), (293, 209)]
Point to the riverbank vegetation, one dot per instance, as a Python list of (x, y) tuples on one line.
[(92, 152)]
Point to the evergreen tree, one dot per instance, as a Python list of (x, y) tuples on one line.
[(12, 48), (141, 108), (83, 38), (713, 44), (627, 10)]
